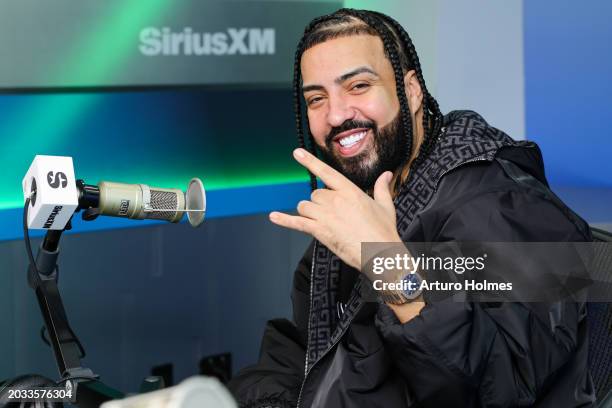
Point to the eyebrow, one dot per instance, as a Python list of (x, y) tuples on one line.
[(354, 72), (342, 78)]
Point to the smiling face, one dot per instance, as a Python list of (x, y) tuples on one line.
[(353, 108)]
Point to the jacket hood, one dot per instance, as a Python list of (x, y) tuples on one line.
[(475, 127)]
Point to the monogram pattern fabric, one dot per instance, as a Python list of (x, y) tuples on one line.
[(325, 282), (465, 138)]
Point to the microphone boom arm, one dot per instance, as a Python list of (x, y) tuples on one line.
[(87, 389)]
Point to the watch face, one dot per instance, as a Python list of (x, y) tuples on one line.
[(412, 285)]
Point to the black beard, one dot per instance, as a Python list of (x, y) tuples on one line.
[(389, 147)]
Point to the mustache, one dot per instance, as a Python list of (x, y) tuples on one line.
[(348, 125)]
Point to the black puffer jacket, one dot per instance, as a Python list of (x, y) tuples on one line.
[(478, 185)]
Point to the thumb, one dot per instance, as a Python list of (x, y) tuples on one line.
[(382, 191)]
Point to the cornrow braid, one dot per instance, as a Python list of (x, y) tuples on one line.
[(400, 51), (432, 116), (297, 106), (297, 95)]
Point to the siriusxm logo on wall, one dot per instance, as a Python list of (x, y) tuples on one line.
[(151, 42), (234, 41)]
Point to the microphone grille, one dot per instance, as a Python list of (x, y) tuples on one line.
[(163, 200)]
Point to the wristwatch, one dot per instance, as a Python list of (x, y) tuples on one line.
[(411, 291)]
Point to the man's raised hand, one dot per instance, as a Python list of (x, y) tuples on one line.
[(342, 216)]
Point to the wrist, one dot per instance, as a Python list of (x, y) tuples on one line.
[(408, 311)]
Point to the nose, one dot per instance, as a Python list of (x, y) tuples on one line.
[(340, 111)]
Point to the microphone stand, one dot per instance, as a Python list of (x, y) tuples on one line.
[(87, 390), (67, 350)]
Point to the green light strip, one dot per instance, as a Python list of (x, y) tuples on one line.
[(209, 184)]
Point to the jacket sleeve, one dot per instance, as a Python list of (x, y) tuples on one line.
[(274, 381), (490, 355)]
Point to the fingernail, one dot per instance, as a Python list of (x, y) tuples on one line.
[(299, 153)]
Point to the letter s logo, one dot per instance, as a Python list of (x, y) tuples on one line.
[(57, 179)]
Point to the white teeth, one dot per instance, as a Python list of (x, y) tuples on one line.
[(352, 139)]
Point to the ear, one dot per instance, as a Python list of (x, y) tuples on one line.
[(413, 90)]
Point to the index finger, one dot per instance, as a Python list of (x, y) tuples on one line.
[(330, 176)]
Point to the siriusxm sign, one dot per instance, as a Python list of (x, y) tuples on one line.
[(234, 41), (179, 42)]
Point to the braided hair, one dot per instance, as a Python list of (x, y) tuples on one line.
[(400, 51)]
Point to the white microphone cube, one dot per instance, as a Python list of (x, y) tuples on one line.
[(56, 198)]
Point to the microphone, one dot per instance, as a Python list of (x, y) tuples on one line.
[(139, 201), (55, 195)]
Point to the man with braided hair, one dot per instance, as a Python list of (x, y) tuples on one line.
[(396, 170)]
